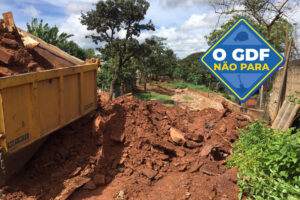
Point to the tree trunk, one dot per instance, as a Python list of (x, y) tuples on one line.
[(114, 81), (263, 92), (145, 82)]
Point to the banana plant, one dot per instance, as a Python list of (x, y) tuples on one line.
[(49, 34)]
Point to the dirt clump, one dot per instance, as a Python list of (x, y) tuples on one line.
[(15, 58), (126, 150)]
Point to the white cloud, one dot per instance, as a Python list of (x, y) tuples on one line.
[(183, 43), (76, 7), (31, 11), (184, 37), (199, 21), (188, 3), (188, 37), (64, 3), (73, 25)]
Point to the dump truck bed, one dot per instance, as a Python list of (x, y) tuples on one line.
[(34, 105)]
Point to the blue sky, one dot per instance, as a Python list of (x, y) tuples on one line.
[(183, 22)]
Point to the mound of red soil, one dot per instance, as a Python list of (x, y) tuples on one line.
[(15, 58), (130, 149)]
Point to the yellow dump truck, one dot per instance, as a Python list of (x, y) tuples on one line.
[(34, 105)]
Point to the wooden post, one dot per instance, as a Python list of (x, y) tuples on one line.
[(261, 97), (9, 21), (282, 89)]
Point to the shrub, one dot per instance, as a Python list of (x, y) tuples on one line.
[(268, 162)]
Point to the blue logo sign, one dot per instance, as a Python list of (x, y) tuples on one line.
[(242, 60)]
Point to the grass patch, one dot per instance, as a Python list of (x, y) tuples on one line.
[(187, 97), (199, 87), (143, 96), (150, 96), (268, 163), (228, 96), (182, 85), (169, 102), (203, 88)]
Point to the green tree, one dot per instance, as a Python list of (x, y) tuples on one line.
[(106, 74), (51, 35), (156, 60), (127, 76), (48, 34), (191, 70), (110, 19), (73, 48)]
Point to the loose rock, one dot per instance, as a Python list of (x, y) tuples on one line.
[(89, 186), (99, 179), (149, 173), (177, 136)]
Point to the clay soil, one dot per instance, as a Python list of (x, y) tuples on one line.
[(15, 58), (125, 150)]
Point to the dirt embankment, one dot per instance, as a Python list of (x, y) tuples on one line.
[(130, 149), (15, 58)]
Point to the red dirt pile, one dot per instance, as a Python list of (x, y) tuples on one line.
[(15, 58), (130, 149)]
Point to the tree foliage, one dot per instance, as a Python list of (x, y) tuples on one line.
[(52, 36), (117, 24), (191, 70), (48, 34), (73, 49), (268, 162), (157, 59), (154, 59)]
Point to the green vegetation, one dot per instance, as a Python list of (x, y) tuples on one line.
[(179, 85), (157, 60), (47, 33), (150, 96), (51, 35), (203, 88), (199, 87), (294, 99), (268, 162), (182, 85), (228, 96), (187, 97), (190, 70), (108, 19)]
